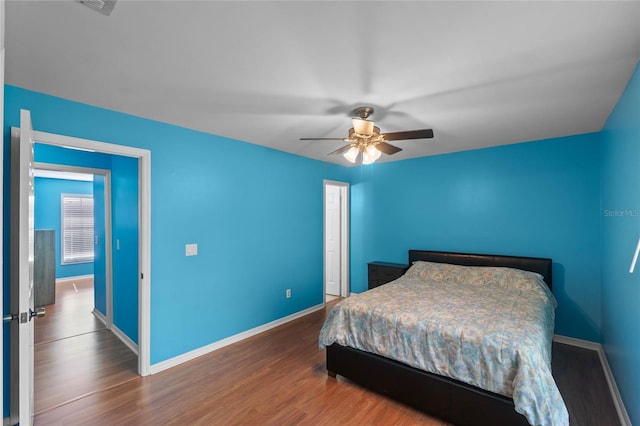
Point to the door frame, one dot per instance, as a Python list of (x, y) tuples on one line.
[(344, 237), (107, 219), (144, 234), (2, 144)]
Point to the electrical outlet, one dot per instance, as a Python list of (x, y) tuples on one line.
[(288, 293)]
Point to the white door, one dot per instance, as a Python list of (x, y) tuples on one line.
[(332, 240), (21, 273)]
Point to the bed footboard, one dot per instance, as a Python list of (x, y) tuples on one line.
[(442, 397)]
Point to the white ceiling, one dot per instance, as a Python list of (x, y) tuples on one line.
[(478, 73)]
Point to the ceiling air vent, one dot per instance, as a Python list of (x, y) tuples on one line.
[(103, 6)]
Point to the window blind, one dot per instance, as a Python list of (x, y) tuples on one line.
[(77, 228)]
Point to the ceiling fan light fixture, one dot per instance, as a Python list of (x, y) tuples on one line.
[(370, 154), (352, 154), (365, 137), (362, 127)]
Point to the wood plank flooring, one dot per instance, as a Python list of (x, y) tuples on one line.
[(279, 378), (583, 385), (70, 368), (70, 315), (74, 355)]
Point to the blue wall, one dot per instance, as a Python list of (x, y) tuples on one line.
[(621, 230), (71, 157), (124, 197), (48, 214), (532, 199), (255, 213)]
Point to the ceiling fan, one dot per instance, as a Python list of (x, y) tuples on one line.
[(365, 138)]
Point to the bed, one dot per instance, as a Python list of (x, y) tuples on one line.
[(456, 391)]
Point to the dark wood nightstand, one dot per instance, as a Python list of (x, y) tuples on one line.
[(383, 272)]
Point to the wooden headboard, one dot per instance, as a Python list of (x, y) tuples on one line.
[(533, 264)]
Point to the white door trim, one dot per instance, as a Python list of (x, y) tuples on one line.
[(107, 219), (2, 283), (144, 237), (344, 237)]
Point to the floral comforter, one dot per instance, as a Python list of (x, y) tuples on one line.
[(486, 326)]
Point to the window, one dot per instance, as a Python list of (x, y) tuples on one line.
[(77, 228)]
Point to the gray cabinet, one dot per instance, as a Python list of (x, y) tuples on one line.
[(44, 267)]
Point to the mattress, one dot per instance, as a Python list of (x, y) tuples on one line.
[(486, 326)]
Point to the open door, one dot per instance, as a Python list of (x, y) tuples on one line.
[(332, 237), (21, 273), (336, 238)]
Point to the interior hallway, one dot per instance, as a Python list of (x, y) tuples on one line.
[(74, 354)]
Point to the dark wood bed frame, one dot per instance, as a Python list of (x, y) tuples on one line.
[(442, 397)]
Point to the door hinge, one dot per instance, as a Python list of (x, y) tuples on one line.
[(141, 276)]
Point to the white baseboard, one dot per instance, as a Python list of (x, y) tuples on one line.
[(125, 339), (100, 317), (613, 387), (586, 344), (76, 278), (117, 332), (172, 362)]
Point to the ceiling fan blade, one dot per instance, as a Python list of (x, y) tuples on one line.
[(411, 134), (324, 139), (340, 150), (387, 148)]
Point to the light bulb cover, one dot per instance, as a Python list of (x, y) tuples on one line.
[(352, 154), (374, 151), (370, 154)]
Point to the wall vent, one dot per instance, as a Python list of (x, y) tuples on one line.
[(103, 6)]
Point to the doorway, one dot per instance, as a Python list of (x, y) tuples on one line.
[(143, 160), (336, 239), (75, 354), (57, 183), (135, 164)]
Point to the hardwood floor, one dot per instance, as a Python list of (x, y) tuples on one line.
[(71, 368), (583, 386), (70, 315), (74, 355), (279, 378)]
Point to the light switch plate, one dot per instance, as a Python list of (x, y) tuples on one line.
[(191, 249)]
